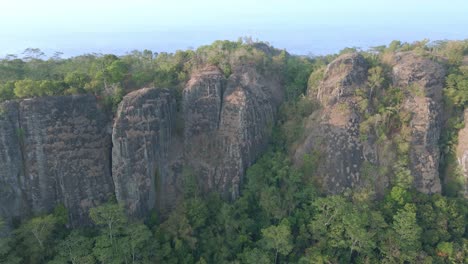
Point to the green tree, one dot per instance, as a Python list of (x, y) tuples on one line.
[(75, 249), (26, 88), (408, 232), (278, 238), (36, 236), (375, 79), (255, 256), (4, 243), (7, 91), (76, 81), (138, 240), (111, 216), (456, 89)]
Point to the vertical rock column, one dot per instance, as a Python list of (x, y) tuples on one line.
[(141, 139), (227, 124), (423, 81), (335, 130), (66, 149), (12, 204), (462, 153)]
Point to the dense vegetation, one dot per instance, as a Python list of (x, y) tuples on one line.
[(281, 216)]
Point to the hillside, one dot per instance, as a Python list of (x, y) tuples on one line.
[(236, 152)]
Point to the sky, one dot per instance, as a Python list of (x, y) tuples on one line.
[(300, 26)]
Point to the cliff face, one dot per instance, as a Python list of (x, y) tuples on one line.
[(142, 141), (12, 202), (58, 152), (350, 159), (462, 152), (334, 131), (62, 150), (424, 80), (227, 124)]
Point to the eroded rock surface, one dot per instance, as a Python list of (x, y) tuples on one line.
[(57, 150), (342, 77), (142, 142), (334, 130), (349, 159), (227, 124), (423, 80), (12, 202), (462, 152)]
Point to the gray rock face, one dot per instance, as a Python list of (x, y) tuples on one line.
[(142, 141), (424, 80), (226, 127), (462, 152), (61, 155), (334, 131), (12, 202), (342, 77), (227, 124)]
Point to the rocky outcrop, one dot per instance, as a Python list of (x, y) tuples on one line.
[(12, 202), (342, 77), (423, 80), (462, 152), (142, 146), (334, 130), (227, 124), (57, 151), (349, 159)]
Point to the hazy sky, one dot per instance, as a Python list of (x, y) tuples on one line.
[(300, 26)]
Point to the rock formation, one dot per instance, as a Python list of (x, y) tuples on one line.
[(59, 150), (12, 202), (142, 142), (334, 130), (227, 124), (424, 80), (462, 152), (55, 150)]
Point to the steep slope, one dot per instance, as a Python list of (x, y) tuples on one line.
[(462, 152), (60, 148), (12, 202), (227, 124), (352, 159), (334, 130), (424, 80), (142, 142)]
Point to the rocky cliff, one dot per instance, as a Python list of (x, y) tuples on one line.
[(352, 159), (424, 80), (142, 147), (65, 150), (227, 124), (12, 202), (462, 152), (334, 130), (55, 150), (59, 150)]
